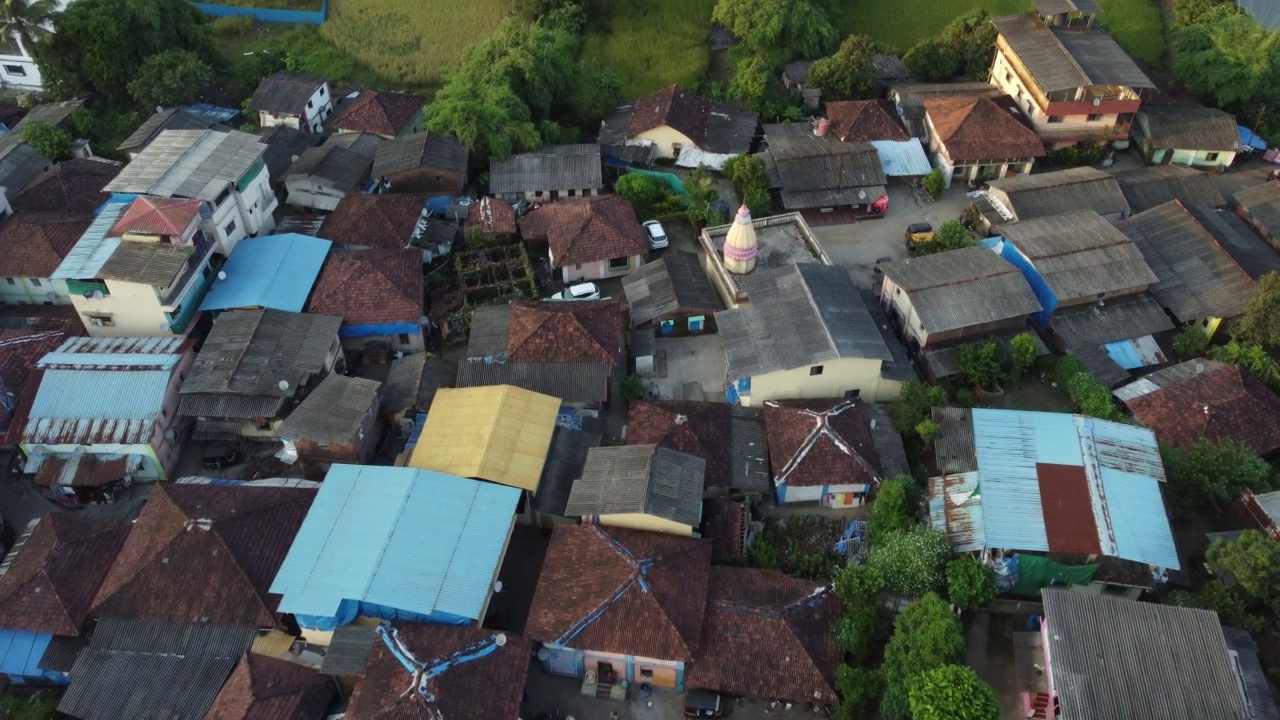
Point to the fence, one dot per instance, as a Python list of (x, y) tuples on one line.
[(273, 15)]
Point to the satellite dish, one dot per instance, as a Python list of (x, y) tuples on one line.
[(497, 586), (222, 274), (500, 640), (284, 384), (1097, 102), (293, 158), (159, 108), (171, 434), (862, 194), (97, 294), (424, 320)]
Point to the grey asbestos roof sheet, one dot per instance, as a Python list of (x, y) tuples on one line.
[(1197, 277), (1117, 320), (437, 151), (675, 282), (404, 377), (573, 383), (332, 165), (961, 288), (348, 651), (640, 479), (286, 91), (175, 118), (1057, 7), (490, 331), (1080, 255), (19, 164), (557, 167), (333, 412), (1044, 57), (155, 264), (1166, 377), (1251, 252), (1103, 60), (190, 164), (953, 446), (945, 268), (888, 442), (1116, 659), (1191, 128), (1097, 361), (1062, 191), (750, 450), (565, 461), (1151, 186), (1257, 691), (1264, 12)]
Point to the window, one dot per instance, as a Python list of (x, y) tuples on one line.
[(620, 263), (1210, 157), (35, 282), (321, 91), (16, 70), (697, 322), (815, 370), (11, 281), (100, 320), (1008, 77), (1115, 590), (572, 193), (310, 104), (666, 327), (1055, 118), (852, 394), (229, 228), (1094, 118), (403, 338), (646, 673), (222, 196)]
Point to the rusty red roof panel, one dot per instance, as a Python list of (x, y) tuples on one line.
[(1068, 509)]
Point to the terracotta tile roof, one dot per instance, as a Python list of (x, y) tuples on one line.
[(768, 635), (1226, 402), (172, 568), (74, 186), (820, 442), (565, 332), (674, 107), (615, 607), (91, 471), (265, 688), (156, 216), (865, 120), (50, 586), (484, 688), (370, 287), (19, 351), (587, 230), (34, 244), (491, 215), (701, 429), (381, 221), (380, 113), (979, 128)]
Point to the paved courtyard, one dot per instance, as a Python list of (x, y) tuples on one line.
[(694, 369)]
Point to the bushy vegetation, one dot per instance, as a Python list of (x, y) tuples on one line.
[(914, 405), (953, 235), (912, 561), (952, 692), (650, 45), (926, 635), (1212, 474), (966, 46), (970, 583), (801, 546), (1089, 396), (1190, 342), (750, 183)]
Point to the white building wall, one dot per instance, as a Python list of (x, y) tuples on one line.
[(33, 291)]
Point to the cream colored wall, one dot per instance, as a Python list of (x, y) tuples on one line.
[(135, 309), (902, 301), (152, 468), (641, 521), (23, 291), (1198, 158), (663, 138), (838, 377), (599, 270)]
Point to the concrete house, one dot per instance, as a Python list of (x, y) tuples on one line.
[(588, 630), (822, 451), (589, 238), (379, 296), (908, 100), (298, 100), (1070, 78), (642, 487), (424, 162), (105, 409), (806, 334), (141, 269), (74, 186), (328, 172), (955, 295), (392, 221), (554, 172), (672, 296), (197, 116), (821, 176), (225, 169), (33, 245), (385, 114), (1199, 137), (973, 139), (684, 126), (337, 422), (274, 272)]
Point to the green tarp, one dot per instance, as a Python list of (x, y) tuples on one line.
[(1035, 572), (671, 180)]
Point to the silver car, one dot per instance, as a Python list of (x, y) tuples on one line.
[(657, 236)]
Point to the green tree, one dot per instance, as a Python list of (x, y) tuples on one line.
[(978, 363), (51, 142), (1252, 562), (648, 195), (1197, 12), (1223, 599), (928, 430), (173, 77), (972, 37), (865, 618), (914, 405), (1260, 322), (912, 560), (752, 82), (1090, 397), (1252, 357), (849, 73), (1190, 342), (970, 584), (926, 635), (597, 96), (933, 183), (100, 45), (27, 21), (1212, 474), (777, 30), (953, 235), (858, 688), (952, 692), (702, 194), (747, 173), (1022, 353), (894, 508), (931, 60), (1227, 63)]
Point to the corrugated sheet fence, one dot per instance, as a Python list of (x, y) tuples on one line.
[(275, 15)]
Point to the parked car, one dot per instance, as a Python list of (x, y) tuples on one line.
[(581, 291), (705, 704), (657, 236), (918, 233)]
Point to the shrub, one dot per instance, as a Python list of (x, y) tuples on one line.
[(970, 584), (1225, 600), (1022, 354), (1090, 397), (952, 692), (933, 183), (1212, 474), (1190, 342), (914, 404), (964, 398), (858, 689), (977, 362), (50, 141), (229, 27), (894, 508), (953, 235), (632, 387), (927, 430), (912, 561)]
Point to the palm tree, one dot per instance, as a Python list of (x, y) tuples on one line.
[(27, 20)]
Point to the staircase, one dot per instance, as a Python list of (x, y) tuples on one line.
[(1043, 707)]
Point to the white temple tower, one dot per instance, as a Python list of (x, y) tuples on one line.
[(740, 244)]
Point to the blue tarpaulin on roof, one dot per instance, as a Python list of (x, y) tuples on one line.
[(1039, 287), (1249, 139), (20, 654), (349, 610), (352, 331)]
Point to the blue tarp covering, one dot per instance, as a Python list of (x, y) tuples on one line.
[(1039, 287), (213, 112), (1249, 139), (20, 654), (439, 204), (349, 610), (352, 331)]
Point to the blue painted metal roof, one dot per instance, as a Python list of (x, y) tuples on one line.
[(20, 653), (272, 271), (96, 406), (1121, 464), (400, 538), (902, 158)]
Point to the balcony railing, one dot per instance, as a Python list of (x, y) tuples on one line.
[(203, 249)]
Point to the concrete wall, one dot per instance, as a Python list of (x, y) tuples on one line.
[(665, 139), (135, 310), (392, 343), (642, 521), (306, 191), (540, 196), (311, 118), (597, 271), (666, 674), (838, 377), (33, 291)]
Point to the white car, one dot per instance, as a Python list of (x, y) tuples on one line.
[(581, 291), (657, 236)]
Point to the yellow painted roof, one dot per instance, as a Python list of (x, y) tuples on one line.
[(497, 433), (273, 644)]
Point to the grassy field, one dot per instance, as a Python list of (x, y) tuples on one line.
[(414, 43), (650, 44), (900, 24)]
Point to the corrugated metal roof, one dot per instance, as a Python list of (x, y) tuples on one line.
[(88, 353), (190, 163), (573, 383), (556, 167), (94, 247), (1151, 186), (902, 158), (645, 479), (349, 650), (1060, 191), (1257, 691), (334, 412), (1080, 255), (401, 538), (498, 433), (1118, 320), (1113, 659), (96, 406), (273, 271), (955, 508), (140, 669)]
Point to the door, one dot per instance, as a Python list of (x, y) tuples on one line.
[(696, 323)]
